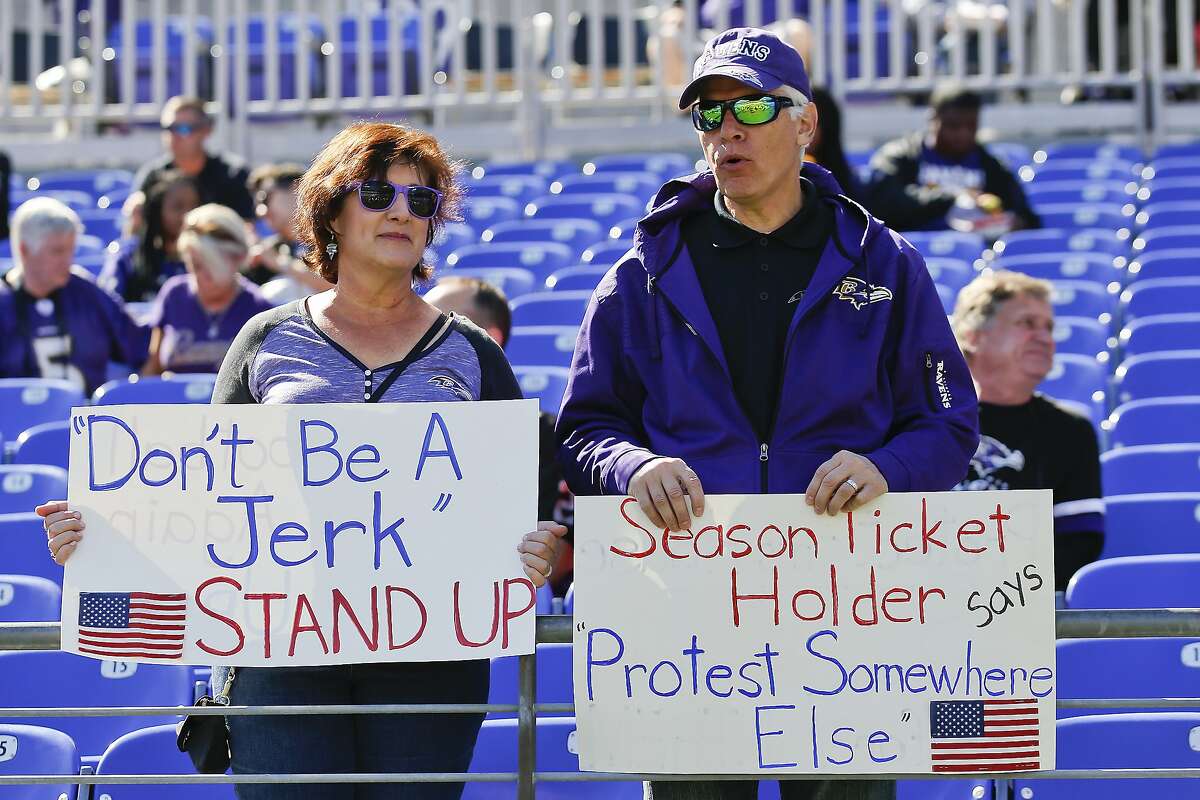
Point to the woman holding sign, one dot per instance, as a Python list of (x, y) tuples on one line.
[(368, 207)]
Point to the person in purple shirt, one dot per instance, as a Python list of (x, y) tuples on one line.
[(55, 322), (196, 316)]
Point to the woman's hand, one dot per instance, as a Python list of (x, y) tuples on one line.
[(64, 528), (539, 551)]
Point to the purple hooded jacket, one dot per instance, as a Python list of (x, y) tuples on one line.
[(870, 366)]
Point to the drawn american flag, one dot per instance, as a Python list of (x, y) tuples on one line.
[(131, 624), (983, 735)]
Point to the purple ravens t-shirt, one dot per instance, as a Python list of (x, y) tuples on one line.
[(195, 340), (950, 176)]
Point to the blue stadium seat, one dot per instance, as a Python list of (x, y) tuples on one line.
[(89, 245), (1174, 167), (1167, 215), (152, 751), (1080, 379), (547, 169), (1095, 267), (554, 684), (1125, 668), (1189, 148), (29, 598), (453, 236), (1161, 296), (1097, 150), (93, 182), (24, 486), (607, 209), (33, 750), (377, 61), (1152, 468), (1159, 581), (102, 223), (32, 401), (1165, 238), (92, 262), (947, 244), (522, 188), (576, 234), (542, 345), (540, 258), (1074, 169), (1080, 335), (1048, 193), (23, 542), (48, 443), (1171, 190), (1049, 241), (641, 185), (547, 384), (1072, 298), (54, 679), (606, 253), (513, 281), (496, 751), (484, 212), (1161, 332), (196, 388), (1156, 420), (664, 165), (1174, 263), (1147, 524), (1112, 216), (576, 279), (1171, 374), (550, 308), (953, 273), (1113, 741), (569, 600), (76, 200)]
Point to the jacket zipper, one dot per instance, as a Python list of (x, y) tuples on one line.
[(929, 380)]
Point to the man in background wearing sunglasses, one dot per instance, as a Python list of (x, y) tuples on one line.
[(223, 178), (764, 335)]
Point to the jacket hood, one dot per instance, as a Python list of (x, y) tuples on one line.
[(656, 238)]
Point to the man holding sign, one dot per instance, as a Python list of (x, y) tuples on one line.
[(765, 335)]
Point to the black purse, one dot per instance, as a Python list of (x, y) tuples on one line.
[(206, 738)]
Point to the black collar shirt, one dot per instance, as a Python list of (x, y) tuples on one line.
[(753, 283)]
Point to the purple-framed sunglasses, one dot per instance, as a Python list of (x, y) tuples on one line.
[(376, 195)]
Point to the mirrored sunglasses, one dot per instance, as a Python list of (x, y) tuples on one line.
[(423, 201), (752, 110)]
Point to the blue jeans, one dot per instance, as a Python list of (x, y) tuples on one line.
[(400, 743)]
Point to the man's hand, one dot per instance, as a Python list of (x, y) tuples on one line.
[(660, 487), (843, 483)]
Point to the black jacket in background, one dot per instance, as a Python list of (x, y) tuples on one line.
[(894, 195), (5, 172)]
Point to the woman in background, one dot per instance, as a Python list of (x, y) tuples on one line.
[(196, 316)]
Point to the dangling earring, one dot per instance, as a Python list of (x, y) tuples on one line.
[(331, 249)]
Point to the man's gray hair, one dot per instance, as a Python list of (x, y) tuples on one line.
[(797, 97), (39, 218), (980, 299)]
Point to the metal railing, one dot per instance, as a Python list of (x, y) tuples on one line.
[(1069, 624), (532, 76)]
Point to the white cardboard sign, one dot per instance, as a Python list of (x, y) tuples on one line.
[(915, 635), (293, 535)]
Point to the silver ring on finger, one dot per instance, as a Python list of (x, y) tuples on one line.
[(852, 484), (549, 569)]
